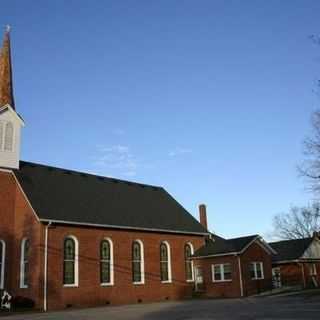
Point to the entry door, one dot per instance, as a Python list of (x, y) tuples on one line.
[(198, 279), (276, 277)]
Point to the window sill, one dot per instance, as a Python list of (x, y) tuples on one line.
[(219, 281), (255, 279), (138, 283), (70, 285), (107, 284), (190, 280), (23, 287), (167, 281)]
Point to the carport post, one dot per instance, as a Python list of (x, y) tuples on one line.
[(240, 276)]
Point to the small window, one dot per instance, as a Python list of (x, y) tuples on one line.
[(256, 270), (188, 252), (70, 262), (2, 262), (24, 263), (165, 263), (221, 272), (8, 137), (312, 269), (106, 262), (137, 262), (1, 135)]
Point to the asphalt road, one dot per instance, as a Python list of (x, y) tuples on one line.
[(302, 307)]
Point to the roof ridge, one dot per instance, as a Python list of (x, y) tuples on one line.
[(290, 240), (89, 174), (243, 237)]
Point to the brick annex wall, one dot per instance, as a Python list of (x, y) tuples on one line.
[(90, 292), (17, 222), (255, 253), (292, 274), (232, 288), (229, 289)]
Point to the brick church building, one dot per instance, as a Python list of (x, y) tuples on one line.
[(73, 239)]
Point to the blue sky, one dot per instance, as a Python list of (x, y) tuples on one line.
[(210, 99)]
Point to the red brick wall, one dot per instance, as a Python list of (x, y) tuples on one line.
[(292, 274), (123, 291), (220, 289), (255, 253), (19, 221), (232, 288)]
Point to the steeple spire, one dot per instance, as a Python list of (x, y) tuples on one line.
[(6, 90)]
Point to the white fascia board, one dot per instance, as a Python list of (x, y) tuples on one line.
[(10, 109)]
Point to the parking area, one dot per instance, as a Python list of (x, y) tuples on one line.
[(303, 306)]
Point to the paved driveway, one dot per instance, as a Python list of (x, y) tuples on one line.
[(302, 307)]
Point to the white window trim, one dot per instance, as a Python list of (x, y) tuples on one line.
[(22, 259), (3, 264), (169, 262), (76, 262), (192, 265), (111, 283), (141, 263), (255, 270), (221, 267)]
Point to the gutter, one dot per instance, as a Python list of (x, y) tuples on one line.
[(45, 284), (96, 225)]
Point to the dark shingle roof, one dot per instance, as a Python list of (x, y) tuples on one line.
[(222, 246), (290, 249), (64, 195)]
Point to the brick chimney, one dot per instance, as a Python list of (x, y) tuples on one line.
[(203, 215)]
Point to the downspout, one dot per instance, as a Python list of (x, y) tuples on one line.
[(45, 284), (240, 276)]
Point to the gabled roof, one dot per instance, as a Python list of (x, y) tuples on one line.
[(220, 246), (67, 196), (290, 249)]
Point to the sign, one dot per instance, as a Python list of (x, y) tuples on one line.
[(6, 300)]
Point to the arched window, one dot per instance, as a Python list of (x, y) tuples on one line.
[(24, 263), (70, 262), (188, 252), (2, 262), (8, 137), (1, 135), (137, 262), (165, 262), (106, 262)]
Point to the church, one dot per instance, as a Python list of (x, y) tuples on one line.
[(73, 239)]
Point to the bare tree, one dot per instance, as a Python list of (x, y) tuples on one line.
[(299, 222), (310, 168)]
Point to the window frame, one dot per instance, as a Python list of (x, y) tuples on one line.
[(255, 263), (23, 261), (221, 269), (3, 261), (3, 135), (168, 261), (76, 263), (186, 261), (142, 275), (111, 282)]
